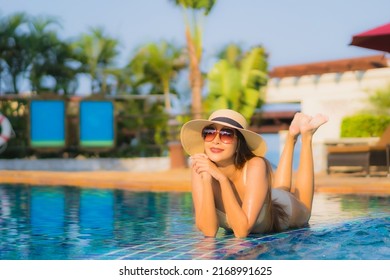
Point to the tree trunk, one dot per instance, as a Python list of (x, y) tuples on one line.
[(14, 79), (195, 77), (167, 98)]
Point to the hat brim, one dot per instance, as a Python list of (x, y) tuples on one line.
[(192, 141)]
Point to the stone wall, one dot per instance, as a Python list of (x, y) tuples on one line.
[(100, 164)]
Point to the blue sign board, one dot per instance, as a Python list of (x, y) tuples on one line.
[(47, 123), (97, 124)]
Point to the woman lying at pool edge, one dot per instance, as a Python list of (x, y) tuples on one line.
[(232, 184)]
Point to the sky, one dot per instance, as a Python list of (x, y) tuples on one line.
[(292, 31)]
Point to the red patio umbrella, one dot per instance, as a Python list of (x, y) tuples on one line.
[(376, 39)]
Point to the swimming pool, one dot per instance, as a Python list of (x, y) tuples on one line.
[(41, 222)]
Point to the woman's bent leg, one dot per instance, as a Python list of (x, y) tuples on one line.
[(283, 174), (304, 189)]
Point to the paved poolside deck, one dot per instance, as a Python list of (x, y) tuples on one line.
[(179, 180)]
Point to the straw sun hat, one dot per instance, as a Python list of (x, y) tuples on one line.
[(191, 132)]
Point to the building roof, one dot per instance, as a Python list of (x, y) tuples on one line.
[(334, 66)]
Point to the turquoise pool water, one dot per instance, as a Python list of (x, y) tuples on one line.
[(41, 222)]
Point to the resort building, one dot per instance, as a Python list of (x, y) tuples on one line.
[(336, 88)]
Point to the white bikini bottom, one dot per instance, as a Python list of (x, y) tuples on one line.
[(284, 198)]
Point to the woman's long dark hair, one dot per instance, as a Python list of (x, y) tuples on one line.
[(276, 210)]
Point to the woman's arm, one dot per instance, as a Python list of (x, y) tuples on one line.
[(204, 204)]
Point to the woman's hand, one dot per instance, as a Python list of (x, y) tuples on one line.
[(205, 167)]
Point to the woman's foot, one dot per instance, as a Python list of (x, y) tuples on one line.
[(299, 120), (313, 124)]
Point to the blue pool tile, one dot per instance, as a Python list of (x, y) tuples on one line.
[(116, 224)]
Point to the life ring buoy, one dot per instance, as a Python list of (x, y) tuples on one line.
[(6, 130)]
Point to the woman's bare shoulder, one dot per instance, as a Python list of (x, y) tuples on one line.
[(256, 175), (256, 161)]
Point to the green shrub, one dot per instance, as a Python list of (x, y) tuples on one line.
[(364, 125)]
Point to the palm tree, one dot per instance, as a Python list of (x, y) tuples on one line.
[(63, 65), (15, 54), (31, 49), (99, 52), (193, 11), (232, 53), (236, 82), (159, 63), (52, 58)]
